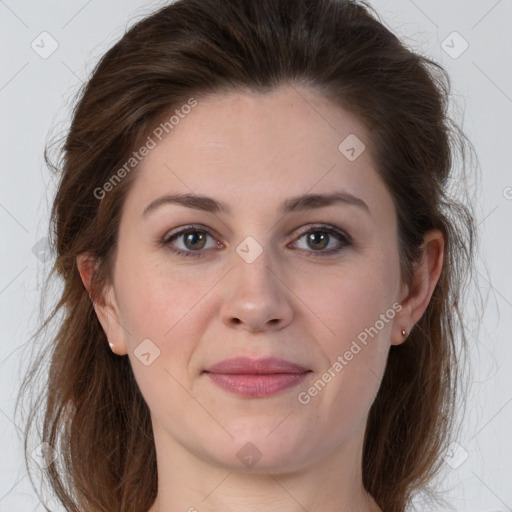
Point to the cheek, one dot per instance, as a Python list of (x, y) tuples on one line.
[(350, 301), (357, 351), (353, 321), (154, 298), (169, 306), (166, 309)]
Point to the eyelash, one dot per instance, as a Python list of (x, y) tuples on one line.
[(340, 235)]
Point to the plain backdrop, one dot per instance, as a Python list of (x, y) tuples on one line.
[(471, 39)]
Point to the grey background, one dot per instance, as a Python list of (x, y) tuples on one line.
[(36, 96)]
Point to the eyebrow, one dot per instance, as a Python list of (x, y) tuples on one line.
[(294, 204)]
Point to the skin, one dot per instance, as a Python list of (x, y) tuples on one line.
[(253, 151)]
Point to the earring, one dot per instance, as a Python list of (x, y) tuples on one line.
[(111, 346), (403, 332)]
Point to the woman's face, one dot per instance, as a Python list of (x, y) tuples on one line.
[(269, 274)]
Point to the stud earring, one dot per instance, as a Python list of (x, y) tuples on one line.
[(111, 346), (403, 332)]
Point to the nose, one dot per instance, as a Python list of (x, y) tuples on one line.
[(256, 297)]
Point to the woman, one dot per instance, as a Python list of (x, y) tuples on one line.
[(262, 267)]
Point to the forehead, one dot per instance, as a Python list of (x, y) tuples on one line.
[(251, 146)]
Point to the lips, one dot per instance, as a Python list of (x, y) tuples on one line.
[(256, 378), (249, 366)]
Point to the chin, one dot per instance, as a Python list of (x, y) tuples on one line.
[(261, 448)]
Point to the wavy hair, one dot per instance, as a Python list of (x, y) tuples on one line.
[(89, 407)]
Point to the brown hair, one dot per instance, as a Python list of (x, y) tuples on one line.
[(93, 413)]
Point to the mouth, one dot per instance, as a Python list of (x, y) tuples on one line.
[(256, 378)]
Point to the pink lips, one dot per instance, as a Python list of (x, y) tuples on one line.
[(256, 377)]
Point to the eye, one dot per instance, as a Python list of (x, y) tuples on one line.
[(318, 238), (192, 240)]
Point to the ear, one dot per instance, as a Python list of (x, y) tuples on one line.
[(106, 307), (416, 298)]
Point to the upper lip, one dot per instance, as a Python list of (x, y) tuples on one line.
[(249, 366)]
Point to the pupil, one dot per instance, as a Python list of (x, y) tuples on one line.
[(191, 238), (314, 238)]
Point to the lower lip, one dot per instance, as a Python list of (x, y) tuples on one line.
[(256, 386)]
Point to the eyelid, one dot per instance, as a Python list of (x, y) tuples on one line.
[(303, 231), (329, 228), (191, 227)]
